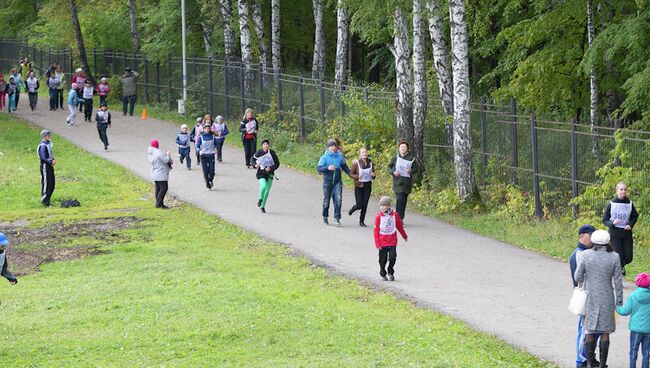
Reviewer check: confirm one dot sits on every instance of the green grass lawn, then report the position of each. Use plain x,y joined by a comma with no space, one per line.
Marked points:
184,288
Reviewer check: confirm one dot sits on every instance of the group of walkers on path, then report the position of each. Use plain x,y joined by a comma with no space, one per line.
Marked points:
598,265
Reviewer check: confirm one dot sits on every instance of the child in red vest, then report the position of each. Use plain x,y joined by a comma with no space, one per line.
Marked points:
387,224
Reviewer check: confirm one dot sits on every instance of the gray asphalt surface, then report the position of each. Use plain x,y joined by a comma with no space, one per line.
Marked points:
517,295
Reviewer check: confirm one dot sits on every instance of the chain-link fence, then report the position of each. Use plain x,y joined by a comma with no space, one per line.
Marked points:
552,161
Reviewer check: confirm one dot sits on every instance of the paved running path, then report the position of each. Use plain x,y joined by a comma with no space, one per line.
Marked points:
517,295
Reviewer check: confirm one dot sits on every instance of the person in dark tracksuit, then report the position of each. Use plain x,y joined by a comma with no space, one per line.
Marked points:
3,260
266,162
206,145
621,216
47,167
362,172
53,84
103,119
183,141
402,167
248,129
87,94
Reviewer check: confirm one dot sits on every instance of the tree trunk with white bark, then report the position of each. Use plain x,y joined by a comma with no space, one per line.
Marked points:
593,85
318,63
402,53
276,52
419,82
343,23
245,41
465,182
135,36
258,21
228,35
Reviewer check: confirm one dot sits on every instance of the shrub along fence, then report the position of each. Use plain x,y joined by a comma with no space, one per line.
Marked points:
552,162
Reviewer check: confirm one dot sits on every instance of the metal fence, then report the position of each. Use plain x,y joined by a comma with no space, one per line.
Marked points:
552,160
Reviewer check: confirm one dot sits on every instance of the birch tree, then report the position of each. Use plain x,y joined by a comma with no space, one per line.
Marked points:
318,62
419,82
441,62
135,36
83,58
258,21
343,22
228,35
276,55
402,53
593,85
245,41
465,183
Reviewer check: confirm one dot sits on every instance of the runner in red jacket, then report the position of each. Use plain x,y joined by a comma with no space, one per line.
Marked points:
387,224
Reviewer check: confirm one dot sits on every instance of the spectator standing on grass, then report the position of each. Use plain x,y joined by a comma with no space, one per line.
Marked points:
184,142
161,163
248,129
584,243
46,156
597,268
60,75
402,167
103,89
220,130
637,307
387,224
330,166
73,99
3,87
362,172
31,86
266,162
621,216
3,260
129,90
88,92
53,84
103,119
18,80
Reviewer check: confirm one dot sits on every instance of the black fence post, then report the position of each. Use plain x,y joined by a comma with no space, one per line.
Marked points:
114,62
366,95
194,70
278,89
146,79
158,82
242,75
95,63
513,139
49,56
226,80
322,101
483,115
261,93
303,133
574,167
126,61
41,63
71,66
533,134
210,86
105,64
341,105
169,82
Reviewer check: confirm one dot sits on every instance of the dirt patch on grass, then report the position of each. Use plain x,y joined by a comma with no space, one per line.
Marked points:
31,247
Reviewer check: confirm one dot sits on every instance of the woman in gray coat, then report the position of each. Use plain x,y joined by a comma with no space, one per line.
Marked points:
596,269
161,163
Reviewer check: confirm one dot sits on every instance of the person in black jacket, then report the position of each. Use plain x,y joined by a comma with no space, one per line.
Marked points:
248,129
266,162
103,119
621,216
47,167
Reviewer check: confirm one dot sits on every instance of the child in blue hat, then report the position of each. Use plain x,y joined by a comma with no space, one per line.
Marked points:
3,260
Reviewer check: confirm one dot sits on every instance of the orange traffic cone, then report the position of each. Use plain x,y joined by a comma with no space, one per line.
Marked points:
144,113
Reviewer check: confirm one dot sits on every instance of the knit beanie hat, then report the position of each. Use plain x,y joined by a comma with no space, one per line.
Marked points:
44,133
154,143
643,280
183,126
384,201
331,142
600,237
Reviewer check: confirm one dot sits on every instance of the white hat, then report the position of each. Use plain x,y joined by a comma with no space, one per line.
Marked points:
104,79
79,70
183,126
600,237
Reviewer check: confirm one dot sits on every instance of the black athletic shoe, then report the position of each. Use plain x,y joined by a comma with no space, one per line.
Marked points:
351,211
325,221
391,277
362,224
384,278
262,209
259,202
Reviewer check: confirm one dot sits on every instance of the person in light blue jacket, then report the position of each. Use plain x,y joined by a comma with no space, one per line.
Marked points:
73,100
18,79
637,306
330,166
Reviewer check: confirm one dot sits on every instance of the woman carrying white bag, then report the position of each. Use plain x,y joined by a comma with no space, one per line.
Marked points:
596,269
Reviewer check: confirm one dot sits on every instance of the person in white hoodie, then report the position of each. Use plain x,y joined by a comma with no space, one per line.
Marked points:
161,163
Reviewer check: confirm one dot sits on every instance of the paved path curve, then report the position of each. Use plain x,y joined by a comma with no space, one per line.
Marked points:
517,295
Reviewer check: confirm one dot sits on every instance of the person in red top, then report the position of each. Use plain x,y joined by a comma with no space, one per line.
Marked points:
79,78
103,89
387,224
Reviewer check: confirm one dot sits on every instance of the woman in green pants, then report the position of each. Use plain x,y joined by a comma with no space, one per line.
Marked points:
266,162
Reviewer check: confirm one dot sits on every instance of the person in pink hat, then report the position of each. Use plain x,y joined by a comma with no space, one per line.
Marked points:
637,306
161,163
